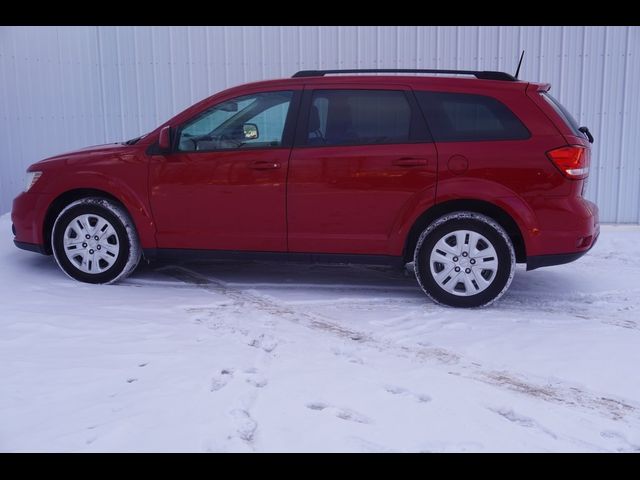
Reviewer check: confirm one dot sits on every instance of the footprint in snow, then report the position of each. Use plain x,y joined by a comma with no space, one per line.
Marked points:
419,397
522,420
257,382
369,446
254,379
515,418
341,413
265,342
220,380
245,425
351,358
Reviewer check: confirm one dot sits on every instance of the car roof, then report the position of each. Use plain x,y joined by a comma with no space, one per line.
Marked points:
457,84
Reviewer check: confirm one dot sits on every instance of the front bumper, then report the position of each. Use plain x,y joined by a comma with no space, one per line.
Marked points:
31,247
27,215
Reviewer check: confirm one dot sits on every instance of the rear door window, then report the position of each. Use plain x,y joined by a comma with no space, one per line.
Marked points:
462,117
359,117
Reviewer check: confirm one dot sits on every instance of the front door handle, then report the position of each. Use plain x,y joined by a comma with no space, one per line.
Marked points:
264,165
410,162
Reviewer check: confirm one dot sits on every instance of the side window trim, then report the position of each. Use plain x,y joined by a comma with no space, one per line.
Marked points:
419,133
287,133
303,118
290,123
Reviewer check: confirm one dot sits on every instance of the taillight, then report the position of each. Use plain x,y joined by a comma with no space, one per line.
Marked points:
572,161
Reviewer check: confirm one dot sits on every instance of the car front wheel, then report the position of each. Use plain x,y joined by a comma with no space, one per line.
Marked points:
464,259
94,240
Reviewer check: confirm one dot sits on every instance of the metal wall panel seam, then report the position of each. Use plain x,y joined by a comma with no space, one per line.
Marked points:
137,80
154,68
581,107
561,60
206,50
540,54
622,120
171,82
226,59
119,66
604,70
17,98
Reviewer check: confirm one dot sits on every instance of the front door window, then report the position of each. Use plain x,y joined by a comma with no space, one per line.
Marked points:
250,121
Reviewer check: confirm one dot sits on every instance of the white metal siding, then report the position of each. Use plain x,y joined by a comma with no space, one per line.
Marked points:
67,87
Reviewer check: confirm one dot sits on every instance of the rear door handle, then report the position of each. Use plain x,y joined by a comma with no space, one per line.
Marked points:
410,162
264,165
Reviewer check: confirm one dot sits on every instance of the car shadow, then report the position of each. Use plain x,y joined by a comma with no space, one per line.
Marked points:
528,288
285,276
334,279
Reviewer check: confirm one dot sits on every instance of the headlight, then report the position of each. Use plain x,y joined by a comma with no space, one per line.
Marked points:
32,178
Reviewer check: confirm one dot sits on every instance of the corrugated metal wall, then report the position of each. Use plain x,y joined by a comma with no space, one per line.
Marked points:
68,87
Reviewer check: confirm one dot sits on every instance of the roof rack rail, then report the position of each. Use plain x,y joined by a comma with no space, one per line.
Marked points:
484,75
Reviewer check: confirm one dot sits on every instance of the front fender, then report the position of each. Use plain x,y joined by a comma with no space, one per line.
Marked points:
131,193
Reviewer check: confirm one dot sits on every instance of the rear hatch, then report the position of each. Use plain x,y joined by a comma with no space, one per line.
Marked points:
559,115
572,159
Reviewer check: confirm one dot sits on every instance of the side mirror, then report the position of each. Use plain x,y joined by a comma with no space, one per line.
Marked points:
250,131
164,142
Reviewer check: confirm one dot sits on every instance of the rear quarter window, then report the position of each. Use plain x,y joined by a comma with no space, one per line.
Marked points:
463,117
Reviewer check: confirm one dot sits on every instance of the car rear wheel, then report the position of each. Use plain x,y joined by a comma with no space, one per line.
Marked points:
94,240
464,259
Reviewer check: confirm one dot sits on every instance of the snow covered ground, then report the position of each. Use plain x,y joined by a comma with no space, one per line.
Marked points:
256,357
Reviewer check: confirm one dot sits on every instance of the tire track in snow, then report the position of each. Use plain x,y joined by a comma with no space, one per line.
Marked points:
558,393
260,303
583,306
587,306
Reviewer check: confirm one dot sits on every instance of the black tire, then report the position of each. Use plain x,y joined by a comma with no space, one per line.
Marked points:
501,278
129,251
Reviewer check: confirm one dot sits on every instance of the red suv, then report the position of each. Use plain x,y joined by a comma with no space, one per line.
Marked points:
463,176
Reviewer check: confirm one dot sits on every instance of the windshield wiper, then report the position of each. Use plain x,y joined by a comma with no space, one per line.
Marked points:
133,141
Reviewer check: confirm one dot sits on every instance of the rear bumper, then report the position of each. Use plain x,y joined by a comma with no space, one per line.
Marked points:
538,261
564,225
566,241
